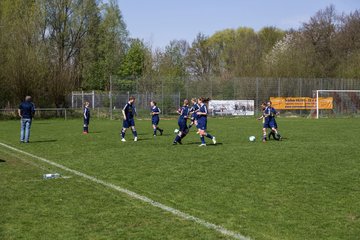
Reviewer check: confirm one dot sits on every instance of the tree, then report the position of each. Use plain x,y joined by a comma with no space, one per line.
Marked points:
171,66
201,64
319,34
113,43
133,65
22,62
348,46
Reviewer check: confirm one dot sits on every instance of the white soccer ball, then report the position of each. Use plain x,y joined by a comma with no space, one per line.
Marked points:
176,131
252,138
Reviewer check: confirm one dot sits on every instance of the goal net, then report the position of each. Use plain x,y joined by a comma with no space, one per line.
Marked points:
344,103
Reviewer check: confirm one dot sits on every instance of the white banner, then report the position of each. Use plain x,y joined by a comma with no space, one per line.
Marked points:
232,107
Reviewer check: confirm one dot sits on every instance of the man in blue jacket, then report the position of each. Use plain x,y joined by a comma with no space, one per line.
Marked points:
26,112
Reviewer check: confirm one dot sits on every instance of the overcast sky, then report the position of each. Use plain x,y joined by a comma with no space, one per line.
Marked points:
158,22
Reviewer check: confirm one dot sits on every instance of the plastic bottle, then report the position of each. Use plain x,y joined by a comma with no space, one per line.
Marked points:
51,175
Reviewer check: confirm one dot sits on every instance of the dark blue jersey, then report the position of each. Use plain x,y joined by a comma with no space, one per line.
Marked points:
27,109
86,113
155,109
202,109
193,111
130,111
184,112
270,113
194,108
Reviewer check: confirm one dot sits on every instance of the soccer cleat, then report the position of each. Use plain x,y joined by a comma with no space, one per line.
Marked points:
202,145
135,139
214,140
154,135
85,132
278,137
123,140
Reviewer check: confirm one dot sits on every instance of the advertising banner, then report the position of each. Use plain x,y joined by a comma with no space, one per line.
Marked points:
301,103
232,107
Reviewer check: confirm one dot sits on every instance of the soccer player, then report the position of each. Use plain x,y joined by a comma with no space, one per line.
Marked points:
86,118
270,122
202,121
182,122
155,111
193,110
26,112
129,111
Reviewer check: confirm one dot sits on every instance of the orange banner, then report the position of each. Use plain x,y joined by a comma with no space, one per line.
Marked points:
301,103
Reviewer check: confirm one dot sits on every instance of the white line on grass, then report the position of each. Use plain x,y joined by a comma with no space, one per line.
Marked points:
174,211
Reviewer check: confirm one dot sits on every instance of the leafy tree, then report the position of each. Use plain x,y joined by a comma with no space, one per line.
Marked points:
132,68
348,46
113,43
172,66
318,35
22,62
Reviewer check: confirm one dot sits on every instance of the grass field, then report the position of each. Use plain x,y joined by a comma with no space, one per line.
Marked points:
304,187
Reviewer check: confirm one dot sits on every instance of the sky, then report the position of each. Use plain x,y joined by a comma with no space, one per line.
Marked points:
157,22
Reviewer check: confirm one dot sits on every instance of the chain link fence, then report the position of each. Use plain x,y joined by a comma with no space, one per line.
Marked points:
110,104
169,94
257,89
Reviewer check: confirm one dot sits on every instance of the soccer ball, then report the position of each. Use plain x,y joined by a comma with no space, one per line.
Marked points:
176,131
252,138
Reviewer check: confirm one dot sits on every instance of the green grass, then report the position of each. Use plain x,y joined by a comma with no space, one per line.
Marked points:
305,187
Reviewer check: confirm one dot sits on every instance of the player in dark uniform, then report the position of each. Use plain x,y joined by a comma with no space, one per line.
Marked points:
182,122
86,118
270,122
129,111
202,122
193,110
155,118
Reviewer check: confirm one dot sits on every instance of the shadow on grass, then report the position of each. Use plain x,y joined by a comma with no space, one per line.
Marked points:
2,161
208,144
44,141
167,134
143,139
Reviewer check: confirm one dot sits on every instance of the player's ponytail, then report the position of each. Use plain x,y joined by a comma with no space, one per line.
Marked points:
204,100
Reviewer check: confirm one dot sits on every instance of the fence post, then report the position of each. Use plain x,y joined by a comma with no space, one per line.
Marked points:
257,96
234,86
72,99
162,94
279,87
93,99
65,114
82,99
110,98
317,104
